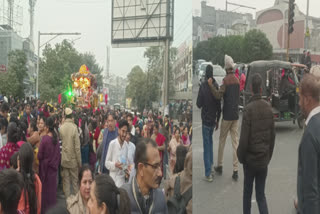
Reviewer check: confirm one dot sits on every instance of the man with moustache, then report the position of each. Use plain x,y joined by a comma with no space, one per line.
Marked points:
308,188
144,192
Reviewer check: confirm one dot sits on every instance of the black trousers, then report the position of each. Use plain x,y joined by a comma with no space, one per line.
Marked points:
259,176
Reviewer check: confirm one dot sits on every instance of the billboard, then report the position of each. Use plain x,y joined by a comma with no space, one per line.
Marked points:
140,23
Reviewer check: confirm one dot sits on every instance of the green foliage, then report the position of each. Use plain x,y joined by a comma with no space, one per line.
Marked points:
11,83
143,93
58,64
253,46
257,45
136,89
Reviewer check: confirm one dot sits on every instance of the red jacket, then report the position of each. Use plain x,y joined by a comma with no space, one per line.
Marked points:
242,81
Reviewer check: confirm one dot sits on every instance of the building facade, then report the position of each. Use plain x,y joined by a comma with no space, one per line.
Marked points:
273,22
10,41
182,68
115,87
213,22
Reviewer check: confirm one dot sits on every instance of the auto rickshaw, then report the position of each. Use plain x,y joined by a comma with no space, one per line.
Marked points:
280,87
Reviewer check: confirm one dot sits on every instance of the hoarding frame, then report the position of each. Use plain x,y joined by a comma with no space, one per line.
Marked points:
137,40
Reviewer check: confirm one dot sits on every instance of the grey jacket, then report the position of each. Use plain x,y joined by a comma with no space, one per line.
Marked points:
156,204
309,169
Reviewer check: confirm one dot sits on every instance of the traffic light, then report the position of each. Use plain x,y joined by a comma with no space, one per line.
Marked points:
70,93
291,16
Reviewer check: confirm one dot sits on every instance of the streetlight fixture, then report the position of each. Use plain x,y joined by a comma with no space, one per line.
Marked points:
39,46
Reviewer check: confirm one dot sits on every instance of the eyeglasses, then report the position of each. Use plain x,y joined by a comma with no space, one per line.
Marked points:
156,166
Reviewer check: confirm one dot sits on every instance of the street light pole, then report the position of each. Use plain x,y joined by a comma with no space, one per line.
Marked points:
38,56
39,46
225,24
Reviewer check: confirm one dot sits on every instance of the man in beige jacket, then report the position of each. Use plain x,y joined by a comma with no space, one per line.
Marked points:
70,154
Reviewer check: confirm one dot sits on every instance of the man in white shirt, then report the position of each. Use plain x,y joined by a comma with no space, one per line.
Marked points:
131,129
131,153
117,156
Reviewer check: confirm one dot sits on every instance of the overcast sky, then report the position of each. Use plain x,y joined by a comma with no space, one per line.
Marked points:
92,18
314,5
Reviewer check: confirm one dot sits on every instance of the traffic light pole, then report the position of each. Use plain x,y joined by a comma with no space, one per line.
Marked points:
290,24
288,44
288,39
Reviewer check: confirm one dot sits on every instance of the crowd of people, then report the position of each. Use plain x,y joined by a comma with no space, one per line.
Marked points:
254,147
106,161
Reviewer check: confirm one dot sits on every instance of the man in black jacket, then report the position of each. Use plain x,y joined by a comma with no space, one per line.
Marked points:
308,188
256,146
308,60
230,92
210,115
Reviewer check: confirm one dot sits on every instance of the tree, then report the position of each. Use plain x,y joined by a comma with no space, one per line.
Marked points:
58,64
257,46
137,89
145,87
253,46
203,51
11,83
155,67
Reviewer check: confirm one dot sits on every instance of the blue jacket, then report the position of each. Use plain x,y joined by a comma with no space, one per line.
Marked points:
107,138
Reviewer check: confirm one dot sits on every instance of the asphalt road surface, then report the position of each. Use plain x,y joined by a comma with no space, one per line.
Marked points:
224,195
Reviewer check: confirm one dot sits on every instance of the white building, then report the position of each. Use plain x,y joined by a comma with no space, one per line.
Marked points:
182,68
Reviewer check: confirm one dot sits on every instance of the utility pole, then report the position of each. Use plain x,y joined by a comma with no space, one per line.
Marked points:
32,4
39,46
166,62
225,24
234,4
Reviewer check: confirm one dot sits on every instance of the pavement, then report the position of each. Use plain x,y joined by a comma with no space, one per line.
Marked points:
224,195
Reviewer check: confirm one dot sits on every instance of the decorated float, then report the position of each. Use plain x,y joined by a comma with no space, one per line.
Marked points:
84,88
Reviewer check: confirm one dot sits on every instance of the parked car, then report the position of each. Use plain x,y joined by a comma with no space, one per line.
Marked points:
197,66
218,73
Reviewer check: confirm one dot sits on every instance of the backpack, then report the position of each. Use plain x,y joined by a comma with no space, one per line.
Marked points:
177,203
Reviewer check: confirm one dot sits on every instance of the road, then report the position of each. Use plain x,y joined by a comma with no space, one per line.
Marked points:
224,195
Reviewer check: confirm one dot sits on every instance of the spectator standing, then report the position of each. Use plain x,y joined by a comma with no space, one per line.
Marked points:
30,200
34,140
117,156
11,185
308,187
49,159
160,140
109,134
14,135
144,193
70,154
210,116
230,92
107,198
78,204
174,143
256,146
